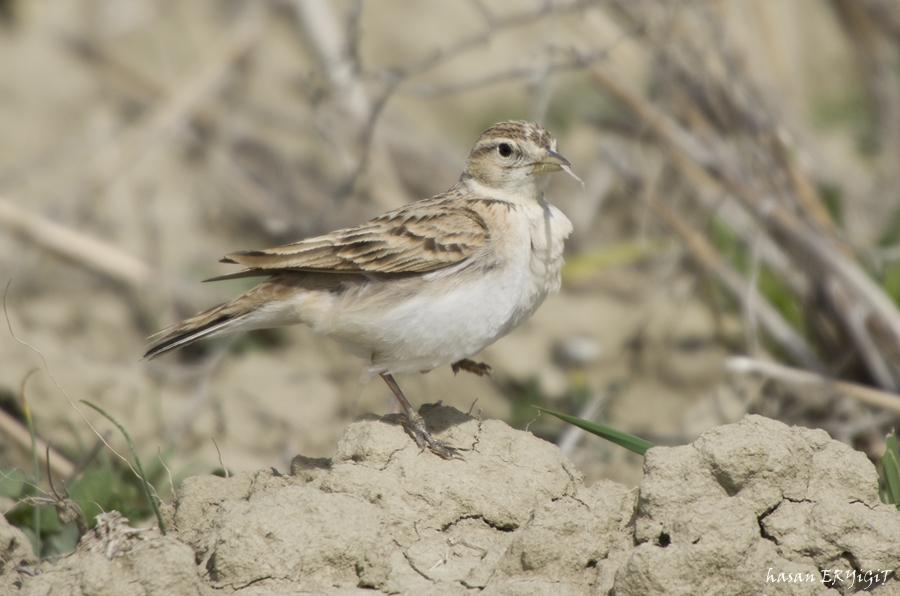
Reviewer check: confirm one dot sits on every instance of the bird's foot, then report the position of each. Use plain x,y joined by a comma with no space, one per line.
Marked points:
478,368
415,426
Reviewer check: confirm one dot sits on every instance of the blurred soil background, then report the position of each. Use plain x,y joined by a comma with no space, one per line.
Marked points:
735,246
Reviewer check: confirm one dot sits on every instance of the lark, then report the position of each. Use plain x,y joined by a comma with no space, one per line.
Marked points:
428,284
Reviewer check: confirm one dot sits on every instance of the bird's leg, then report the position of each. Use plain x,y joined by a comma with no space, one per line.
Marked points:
479,368
415,424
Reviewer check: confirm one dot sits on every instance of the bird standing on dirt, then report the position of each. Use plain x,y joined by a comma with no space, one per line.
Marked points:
428,284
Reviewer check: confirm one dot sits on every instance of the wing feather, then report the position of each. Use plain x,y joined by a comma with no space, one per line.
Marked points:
416,238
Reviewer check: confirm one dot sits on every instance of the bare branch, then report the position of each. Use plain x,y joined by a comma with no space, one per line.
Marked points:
90,252
786,374
530,73
58,386
493,26
116,157
13,431
815,247
316,17
770,319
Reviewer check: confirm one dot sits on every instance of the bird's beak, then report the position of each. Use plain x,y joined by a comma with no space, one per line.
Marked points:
552,162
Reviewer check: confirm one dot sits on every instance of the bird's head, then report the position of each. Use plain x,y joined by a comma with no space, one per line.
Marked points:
513,157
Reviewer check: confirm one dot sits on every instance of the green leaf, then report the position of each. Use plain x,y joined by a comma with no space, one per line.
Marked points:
890,281
61,542
104,489
890,464
630,442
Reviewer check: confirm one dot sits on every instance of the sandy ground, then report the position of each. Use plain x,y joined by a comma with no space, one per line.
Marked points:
755,507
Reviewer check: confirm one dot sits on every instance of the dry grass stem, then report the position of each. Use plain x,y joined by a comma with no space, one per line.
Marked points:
807,243
182,100
770,319
14,432
83,249
795,376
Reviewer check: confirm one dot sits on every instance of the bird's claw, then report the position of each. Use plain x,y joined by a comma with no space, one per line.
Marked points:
417,429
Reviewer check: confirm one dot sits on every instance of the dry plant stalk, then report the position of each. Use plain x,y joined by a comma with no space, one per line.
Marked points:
794,376
117,156
85,250
737,286
800,228
13,431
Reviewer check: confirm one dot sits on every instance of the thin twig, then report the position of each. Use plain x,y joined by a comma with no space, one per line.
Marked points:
691,156
324,33
219,452
36,478
861,393
338,60
90,252
493,26
749,301
368,144
116,157
803,187
55,382
770,319
853,321
527,73
94,53
878,64
66,509
12,431
97,255
166,468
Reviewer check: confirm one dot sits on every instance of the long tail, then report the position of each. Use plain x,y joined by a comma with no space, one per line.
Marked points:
220,320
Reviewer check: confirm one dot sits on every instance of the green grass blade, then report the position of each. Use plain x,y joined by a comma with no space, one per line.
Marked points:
36,479
630,442
151,497
890,466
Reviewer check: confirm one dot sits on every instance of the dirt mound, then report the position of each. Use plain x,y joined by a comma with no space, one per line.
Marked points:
748,508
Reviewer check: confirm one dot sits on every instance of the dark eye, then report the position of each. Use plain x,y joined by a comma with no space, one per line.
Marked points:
504,149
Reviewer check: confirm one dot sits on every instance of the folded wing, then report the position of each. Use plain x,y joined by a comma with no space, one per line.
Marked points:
416,238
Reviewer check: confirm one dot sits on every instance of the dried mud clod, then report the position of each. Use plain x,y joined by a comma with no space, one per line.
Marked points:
515,517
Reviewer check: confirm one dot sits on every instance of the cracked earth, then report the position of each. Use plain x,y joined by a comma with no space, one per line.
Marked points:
514,517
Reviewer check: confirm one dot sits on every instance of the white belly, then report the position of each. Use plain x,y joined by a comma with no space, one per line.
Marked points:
457,312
